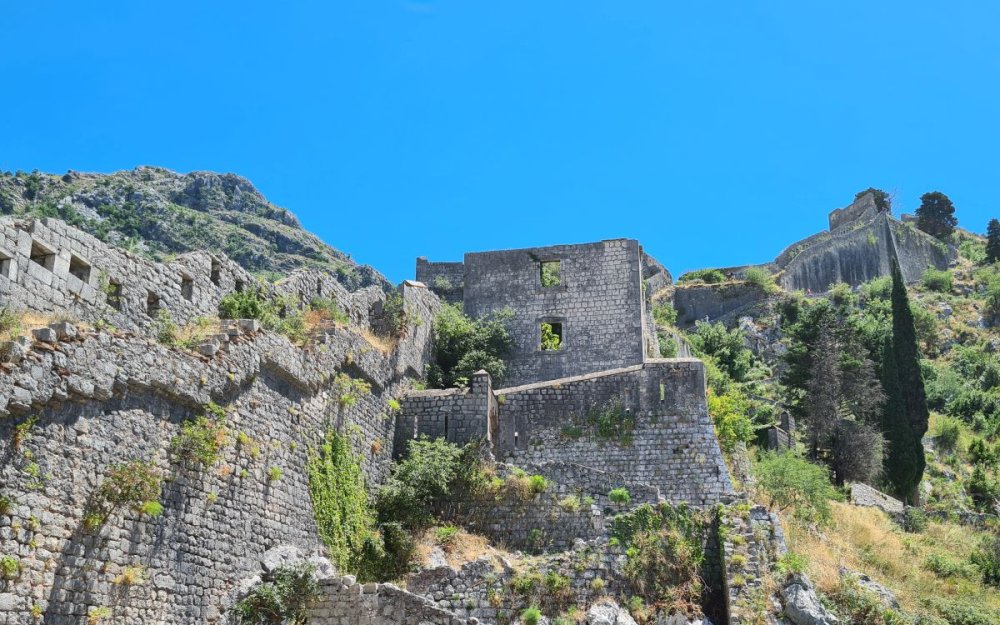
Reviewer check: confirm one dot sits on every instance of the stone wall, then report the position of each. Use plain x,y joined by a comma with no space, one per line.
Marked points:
673,446
862,251
698,302
459,415
106,398
343,601
748,562
599,302
862,208
447,280
47,266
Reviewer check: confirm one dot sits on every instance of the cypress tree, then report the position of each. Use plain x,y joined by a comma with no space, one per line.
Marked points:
993,241
906,409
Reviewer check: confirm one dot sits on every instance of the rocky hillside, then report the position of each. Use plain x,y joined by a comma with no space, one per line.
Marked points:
160,213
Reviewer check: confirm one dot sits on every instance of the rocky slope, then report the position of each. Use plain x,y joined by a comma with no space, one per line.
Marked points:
161,213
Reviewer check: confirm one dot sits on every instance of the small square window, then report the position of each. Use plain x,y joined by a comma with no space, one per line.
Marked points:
42,255
187,287
152,303
550,273
5,266
216,271
79,268
552,336
114,294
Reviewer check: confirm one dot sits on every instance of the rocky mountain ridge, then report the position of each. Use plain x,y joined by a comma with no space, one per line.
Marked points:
161,213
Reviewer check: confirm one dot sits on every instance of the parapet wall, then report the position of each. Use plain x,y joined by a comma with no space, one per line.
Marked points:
50,267
447,280
863,208
101,399
673,445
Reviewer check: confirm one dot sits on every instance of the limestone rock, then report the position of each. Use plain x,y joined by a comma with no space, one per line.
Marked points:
802,605
607,612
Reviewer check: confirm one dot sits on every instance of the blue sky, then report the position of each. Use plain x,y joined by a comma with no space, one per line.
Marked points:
716,133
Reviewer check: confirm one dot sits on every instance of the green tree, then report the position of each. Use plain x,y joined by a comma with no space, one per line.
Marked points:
882,200
993,241
936,214
463,346
905,415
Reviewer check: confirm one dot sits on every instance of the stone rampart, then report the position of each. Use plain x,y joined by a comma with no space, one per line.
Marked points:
863,208
447,280
698,302
84,401
672,445
343,601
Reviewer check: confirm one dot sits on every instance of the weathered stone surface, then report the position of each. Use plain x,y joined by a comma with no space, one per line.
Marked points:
802,605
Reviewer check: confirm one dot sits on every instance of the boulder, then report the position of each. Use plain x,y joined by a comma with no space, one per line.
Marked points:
802,606
607,612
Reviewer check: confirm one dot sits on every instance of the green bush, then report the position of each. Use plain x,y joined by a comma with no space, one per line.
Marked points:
531,616
202,439
550,340
987,560
876,289
283,601
664,313
729,413
611,420
791,564
134,484
426,475
463,346
914,520
947,433
278,314
725,346
10,567
935,280
708,276
620,496
790,481
760,278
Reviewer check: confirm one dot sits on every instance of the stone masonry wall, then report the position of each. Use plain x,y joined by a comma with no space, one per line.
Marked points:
715,301
459,415
861,208
343,601
599,303
673,446
447,280
102,399
75,274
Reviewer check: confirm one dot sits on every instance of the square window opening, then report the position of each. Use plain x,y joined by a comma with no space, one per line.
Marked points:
5,266
43,256
215,276
152,304
187,287
552,336
550,273
79,268
114,294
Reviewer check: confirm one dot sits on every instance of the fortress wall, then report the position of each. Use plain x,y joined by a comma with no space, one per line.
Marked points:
102,399
447,280
713,301
599,303
862,208
673,446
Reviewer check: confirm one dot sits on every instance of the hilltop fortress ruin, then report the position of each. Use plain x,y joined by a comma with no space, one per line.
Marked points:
88,386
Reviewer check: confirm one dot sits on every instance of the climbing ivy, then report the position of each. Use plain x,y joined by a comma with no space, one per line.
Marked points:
344,515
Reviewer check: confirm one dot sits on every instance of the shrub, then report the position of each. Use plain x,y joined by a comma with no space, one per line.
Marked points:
947,433
10,324
790,481
664,313
283,600
538,484
274,474
725,346
10,567
570,503
877,289
330,310
914,520
463,346
612,420
445,536
935,280
531,616
761,278
597,585
134,484
708,276
791,564
729,414
426,475
202,439
987,560
620,496
349,390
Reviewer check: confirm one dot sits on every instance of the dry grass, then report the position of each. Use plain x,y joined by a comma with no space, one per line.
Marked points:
865,540
463,548
20,323
384,344
198,329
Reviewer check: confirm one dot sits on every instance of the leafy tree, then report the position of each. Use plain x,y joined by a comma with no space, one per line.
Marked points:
463,346
882,200
726,346
790,481
993,241
936,214
857,452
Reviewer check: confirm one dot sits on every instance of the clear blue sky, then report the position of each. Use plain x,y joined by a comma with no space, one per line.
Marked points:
716,133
